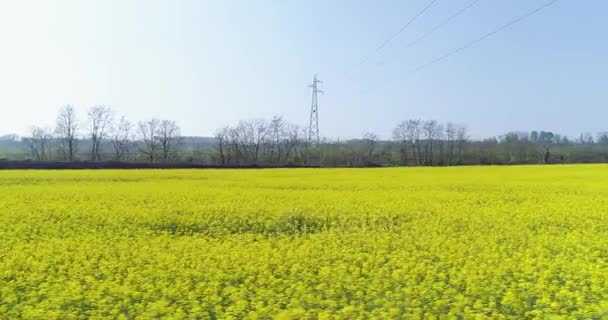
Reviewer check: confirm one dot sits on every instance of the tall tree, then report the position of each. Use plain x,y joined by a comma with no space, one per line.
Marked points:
38,143
276,129
100,118
602,138
450,134
430,129
260,137
440,141
400,134
251,136
461,137
147,142
295,139
169,138
413,133
66,131
371,140
547,139
120,137
222,144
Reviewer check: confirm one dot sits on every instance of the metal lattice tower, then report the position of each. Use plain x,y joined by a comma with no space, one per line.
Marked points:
313,128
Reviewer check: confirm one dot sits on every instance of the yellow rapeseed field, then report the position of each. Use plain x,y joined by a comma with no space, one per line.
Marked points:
527,242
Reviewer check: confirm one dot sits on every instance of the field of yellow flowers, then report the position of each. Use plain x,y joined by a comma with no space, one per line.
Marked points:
519,242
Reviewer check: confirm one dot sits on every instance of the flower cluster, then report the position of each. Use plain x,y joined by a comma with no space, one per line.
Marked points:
417,243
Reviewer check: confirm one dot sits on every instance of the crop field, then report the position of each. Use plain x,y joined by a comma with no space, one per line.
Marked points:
396,243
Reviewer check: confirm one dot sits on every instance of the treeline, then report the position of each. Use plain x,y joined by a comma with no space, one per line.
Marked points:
274,142
99,135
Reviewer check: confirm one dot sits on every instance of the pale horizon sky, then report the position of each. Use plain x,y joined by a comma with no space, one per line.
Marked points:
207,64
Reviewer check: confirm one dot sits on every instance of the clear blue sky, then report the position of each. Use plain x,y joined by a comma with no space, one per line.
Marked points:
210,63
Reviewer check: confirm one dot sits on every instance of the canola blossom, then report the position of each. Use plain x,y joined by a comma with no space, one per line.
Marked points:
526,242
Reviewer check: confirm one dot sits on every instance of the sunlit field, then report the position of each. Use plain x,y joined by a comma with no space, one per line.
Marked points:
467,242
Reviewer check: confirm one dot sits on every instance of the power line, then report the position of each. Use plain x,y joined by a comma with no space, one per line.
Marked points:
396,34
487,35
440,25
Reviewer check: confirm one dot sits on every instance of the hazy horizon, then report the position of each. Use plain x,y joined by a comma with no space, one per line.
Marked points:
208,64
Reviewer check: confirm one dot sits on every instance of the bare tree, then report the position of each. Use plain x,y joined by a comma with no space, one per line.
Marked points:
586,138
294,142
461,136
100,118
66,130
169,138
257,141
547,139
251,136
222,137
450,134
234,145
120,138
400,134
276,129
439,140
370,139
148,143
429,127
38,143
413,133
602,137
259,138
283,138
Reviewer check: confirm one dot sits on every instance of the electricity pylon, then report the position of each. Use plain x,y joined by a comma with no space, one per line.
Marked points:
313,128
